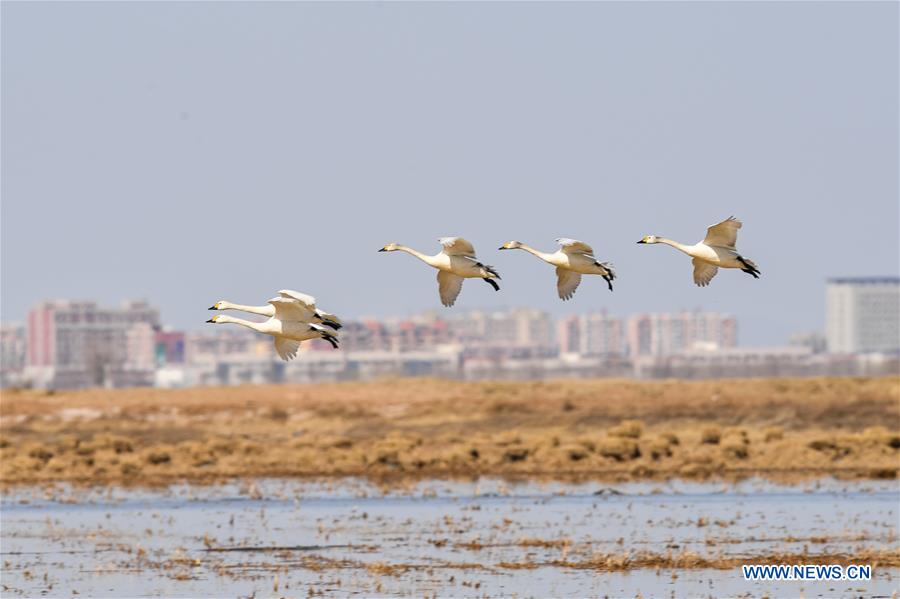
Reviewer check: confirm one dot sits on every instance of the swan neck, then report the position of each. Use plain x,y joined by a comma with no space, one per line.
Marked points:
261,310
674,244
423,257
240,321
534,252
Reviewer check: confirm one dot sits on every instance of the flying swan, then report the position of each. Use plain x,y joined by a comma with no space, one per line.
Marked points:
454,263
304,309
287,331
573,259
715,251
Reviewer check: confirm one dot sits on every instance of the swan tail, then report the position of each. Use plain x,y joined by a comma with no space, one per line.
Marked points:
329,320
490,270
609,268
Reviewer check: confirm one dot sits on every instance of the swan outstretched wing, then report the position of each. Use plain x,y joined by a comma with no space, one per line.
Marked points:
723,234
449,286
457,246
567,282
573,246
308,300
291,310
704,272
286,348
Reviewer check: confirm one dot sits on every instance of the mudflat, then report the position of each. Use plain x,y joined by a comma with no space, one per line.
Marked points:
602,429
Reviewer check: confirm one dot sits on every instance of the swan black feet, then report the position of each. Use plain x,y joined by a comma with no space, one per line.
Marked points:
492,283
749,267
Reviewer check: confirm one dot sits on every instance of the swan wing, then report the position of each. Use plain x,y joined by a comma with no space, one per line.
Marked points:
308,300
567,282
449,286
723,234
291,310
457,246
704,272
573,246
286,348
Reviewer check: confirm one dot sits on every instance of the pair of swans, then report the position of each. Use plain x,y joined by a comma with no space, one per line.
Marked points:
293,318
457,260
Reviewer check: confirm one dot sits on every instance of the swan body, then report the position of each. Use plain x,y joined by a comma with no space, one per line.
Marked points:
288,334
303,309
573,259
717,250
454,263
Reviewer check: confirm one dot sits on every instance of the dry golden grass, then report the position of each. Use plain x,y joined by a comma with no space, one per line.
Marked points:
602,429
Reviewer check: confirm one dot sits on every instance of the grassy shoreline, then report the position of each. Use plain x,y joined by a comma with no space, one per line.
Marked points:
784,429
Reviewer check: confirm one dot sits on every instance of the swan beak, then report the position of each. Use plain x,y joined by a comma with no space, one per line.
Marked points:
213,319
642,241
382,250
212,308
502,247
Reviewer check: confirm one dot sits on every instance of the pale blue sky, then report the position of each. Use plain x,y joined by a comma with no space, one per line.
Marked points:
186,153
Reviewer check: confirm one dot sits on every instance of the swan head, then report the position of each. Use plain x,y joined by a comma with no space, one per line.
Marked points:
510,245
220,305
391,247
649,239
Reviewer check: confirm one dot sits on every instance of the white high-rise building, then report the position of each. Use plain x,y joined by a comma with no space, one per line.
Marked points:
863,315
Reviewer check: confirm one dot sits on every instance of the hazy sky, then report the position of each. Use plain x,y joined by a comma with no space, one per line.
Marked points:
185,153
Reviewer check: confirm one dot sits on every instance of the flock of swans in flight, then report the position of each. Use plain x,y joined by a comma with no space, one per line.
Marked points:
294,317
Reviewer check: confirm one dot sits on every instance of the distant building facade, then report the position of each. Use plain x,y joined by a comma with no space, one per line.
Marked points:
667,334
169,347
12,353
594,334
518,328
862,315
73,344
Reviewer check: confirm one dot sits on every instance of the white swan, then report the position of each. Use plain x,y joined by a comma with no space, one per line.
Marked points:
304,309
288,333
573,259
715,251
456,262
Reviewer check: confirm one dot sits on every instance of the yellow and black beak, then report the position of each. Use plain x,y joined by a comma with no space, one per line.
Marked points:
384,249
642,241
213,307
502,247
213,319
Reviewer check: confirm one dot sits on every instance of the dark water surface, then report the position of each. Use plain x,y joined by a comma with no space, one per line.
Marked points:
297,538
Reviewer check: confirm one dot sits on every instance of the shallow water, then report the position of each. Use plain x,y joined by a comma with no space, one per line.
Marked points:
293,538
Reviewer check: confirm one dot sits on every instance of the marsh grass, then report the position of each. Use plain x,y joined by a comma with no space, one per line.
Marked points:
605,429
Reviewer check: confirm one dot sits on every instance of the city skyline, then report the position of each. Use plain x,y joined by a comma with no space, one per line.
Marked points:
79,344
136,165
